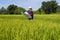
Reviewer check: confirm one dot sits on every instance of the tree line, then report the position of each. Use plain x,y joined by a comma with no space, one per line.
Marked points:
47,7
12,9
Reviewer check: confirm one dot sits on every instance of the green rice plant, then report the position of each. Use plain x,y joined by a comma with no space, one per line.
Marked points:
42,27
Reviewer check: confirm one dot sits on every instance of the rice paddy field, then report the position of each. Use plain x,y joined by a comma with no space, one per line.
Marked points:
18,27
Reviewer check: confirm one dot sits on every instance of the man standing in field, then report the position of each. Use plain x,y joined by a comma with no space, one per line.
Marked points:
30,12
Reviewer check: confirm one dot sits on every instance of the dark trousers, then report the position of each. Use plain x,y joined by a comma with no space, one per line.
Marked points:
31,17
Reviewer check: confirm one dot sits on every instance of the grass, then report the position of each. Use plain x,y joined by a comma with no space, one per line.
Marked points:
42,27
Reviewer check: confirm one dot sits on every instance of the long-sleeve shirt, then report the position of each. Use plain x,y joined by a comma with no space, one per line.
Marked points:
30,12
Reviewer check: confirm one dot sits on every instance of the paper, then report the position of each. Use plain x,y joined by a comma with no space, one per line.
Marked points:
27,15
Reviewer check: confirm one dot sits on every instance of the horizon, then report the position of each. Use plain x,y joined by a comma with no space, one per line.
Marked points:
35,4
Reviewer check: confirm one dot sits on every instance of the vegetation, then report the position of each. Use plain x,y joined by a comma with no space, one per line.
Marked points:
49,7
3,10
19,10
42,27
12,9
17,27
58,9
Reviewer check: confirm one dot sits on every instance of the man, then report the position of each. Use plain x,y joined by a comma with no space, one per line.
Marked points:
30,12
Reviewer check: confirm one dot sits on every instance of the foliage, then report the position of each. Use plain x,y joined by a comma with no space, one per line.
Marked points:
58,9
38,11
3,10
49,7
17,27
53,6
11,8
19,10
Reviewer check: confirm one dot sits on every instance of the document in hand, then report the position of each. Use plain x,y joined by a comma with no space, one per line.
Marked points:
27,15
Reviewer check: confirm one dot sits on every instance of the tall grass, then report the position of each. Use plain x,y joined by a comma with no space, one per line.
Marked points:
17,27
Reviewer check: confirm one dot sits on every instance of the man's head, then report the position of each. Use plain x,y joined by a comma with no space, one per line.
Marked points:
30,8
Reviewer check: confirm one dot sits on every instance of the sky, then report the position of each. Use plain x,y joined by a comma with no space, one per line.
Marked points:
35,4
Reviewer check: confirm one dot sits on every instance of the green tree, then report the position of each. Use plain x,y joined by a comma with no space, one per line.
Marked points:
53,6
49,7
11,8
19,10
3,10
38,11
58,9
46,7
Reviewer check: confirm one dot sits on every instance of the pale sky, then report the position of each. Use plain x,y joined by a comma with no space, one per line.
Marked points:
35,4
